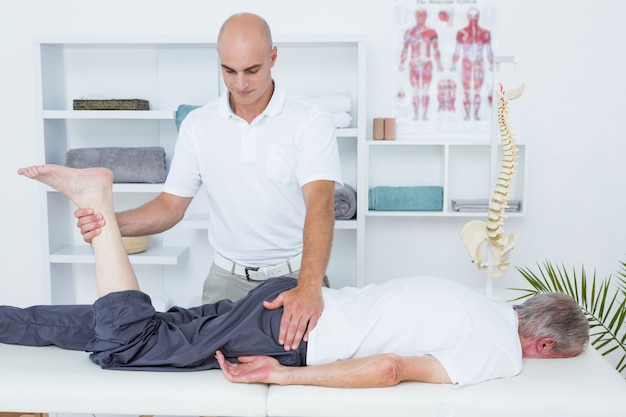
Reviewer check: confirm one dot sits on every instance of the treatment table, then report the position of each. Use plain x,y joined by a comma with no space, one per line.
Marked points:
52,380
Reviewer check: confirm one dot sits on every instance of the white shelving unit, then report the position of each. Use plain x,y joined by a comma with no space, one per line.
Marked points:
169,71
462,167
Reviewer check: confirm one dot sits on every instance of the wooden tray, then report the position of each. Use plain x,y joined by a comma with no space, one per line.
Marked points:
112,104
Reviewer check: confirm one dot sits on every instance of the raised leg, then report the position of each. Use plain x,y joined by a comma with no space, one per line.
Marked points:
92,187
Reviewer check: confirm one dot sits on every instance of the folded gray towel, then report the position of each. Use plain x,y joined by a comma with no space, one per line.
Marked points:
345,202
418,198
144,164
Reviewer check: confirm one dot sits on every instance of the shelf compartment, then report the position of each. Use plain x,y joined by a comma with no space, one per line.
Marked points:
375,213
110,114
412,165
469,175
200,221
157,255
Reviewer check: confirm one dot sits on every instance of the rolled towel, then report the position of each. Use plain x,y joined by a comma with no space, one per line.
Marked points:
417,198
144,164
334,103
345,202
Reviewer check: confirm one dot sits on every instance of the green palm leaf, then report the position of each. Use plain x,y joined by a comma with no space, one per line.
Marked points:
603,303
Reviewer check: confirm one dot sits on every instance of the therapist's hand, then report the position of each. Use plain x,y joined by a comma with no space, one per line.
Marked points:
89,223
302,307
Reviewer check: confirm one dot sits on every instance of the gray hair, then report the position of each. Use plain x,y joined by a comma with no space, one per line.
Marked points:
554,315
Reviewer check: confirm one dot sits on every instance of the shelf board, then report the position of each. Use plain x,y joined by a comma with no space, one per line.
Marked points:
181,41
157,255
346,132
444,140
143,115
381,213
137,188
345,224
129,188
110,114
200,221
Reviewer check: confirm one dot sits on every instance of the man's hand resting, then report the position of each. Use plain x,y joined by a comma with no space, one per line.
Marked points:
251,369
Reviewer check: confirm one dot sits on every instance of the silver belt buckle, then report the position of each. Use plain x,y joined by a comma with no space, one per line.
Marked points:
247,270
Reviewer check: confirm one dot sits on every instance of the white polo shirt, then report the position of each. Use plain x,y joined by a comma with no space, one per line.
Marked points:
474,338
253,173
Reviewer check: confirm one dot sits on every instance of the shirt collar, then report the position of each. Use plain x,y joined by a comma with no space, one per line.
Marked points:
274,107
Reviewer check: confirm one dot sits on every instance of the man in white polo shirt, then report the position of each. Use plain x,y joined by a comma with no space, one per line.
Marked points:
269,163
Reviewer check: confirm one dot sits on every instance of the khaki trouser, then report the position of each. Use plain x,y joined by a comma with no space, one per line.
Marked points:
221,284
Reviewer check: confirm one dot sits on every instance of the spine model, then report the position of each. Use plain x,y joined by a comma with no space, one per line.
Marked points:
476,234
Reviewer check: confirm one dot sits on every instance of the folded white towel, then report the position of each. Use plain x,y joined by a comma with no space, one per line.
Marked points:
341,120
334,103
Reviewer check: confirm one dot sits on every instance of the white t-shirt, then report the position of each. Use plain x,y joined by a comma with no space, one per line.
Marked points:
473,337
253,173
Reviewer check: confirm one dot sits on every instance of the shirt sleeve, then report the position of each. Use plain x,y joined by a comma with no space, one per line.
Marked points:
184,178
476,359
318,154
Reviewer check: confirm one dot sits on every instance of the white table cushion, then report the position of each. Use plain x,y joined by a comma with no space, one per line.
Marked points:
586,386
52,380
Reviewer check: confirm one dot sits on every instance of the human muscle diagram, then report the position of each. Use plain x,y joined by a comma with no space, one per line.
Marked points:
445,63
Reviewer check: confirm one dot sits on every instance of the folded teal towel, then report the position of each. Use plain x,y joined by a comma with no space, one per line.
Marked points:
181,112
419,198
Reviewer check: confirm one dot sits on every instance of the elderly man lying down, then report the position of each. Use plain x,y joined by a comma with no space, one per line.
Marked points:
412,329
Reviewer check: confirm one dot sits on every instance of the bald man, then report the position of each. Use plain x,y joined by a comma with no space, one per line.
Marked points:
269,162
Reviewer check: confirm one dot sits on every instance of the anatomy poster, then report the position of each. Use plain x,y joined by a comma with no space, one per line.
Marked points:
445,63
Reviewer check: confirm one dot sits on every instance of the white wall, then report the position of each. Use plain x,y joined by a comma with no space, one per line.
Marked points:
571,116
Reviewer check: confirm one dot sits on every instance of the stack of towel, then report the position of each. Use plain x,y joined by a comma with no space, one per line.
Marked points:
338,105
129,165
481,205
345,202
417,198
181,112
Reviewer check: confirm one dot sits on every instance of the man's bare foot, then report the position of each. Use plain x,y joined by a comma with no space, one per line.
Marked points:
79,185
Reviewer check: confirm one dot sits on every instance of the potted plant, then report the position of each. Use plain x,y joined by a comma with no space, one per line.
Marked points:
603,303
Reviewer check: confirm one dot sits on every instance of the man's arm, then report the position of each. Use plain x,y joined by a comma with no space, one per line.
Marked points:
382,370
155,216
303,305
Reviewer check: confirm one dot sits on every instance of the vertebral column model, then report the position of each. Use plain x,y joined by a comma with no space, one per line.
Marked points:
477,233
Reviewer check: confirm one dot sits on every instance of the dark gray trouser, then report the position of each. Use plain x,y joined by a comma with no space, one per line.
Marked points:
123,331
